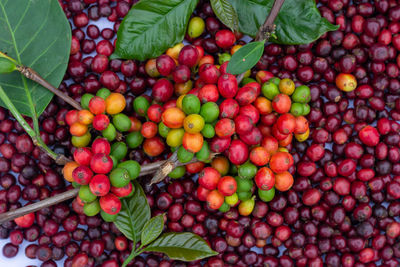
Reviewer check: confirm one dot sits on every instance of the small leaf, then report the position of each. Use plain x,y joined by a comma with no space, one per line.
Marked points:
182,246
151,27
134,214
298,21
245,58
37,35
152,229
226,13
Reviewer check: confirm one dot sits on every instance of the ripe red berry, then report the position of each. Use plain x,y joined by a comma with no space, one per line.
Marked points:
123,191
209,178
101,145
100,122
83,155
100,185
101,163
71,117
265,178
26,220
82,175
225,38
369,136
97,105
110,204
227,185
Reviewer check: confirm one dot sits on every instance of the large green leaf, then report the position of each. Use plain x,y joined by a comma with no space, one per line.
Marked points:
36,34
226,13
151,27
298,22
134,214
245,58
182,246
152,229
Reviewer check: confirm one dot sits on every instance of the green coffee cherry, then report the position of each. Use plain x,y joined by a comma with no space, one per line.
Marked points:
209,111
110,133
103,93
122,122
92,208
141,105
133,168
224,207
85,100
208,131
108,217
85,194
184,156
270,90
119,150
204,153
134,139
232,200
119,177
224,57
266,195
191,104
244,185
81,141
196,27
178,172
247,170
163,130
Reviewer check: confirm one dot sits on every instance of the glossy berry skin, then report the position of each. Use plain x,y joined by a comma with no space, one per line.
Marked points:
83,156
227,85
369,136
26,220
225,38
265,178
165,65
209,178
238,152
110,204
188,56
100,122
101,163
100,185
82,175
162,90
227,185
101,145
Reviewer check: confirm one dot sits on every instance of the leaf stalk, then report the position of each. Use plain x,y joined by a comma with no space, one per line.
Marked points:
37,141
267,29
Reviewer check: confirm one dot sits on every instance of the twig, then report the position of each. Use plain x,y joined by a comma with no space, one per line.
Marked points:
11,215
265,31
171,164
145,170
166,168
34,76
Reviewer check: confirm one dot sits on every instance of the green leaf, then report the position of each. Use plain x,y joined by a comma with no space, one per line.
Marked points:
134,214
298,22
36,34
182,246
245,58
226,13
152,229
153,26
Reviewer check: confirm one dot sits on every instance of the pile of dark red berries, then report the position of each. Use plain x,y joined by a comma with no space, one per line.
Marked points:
344,205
